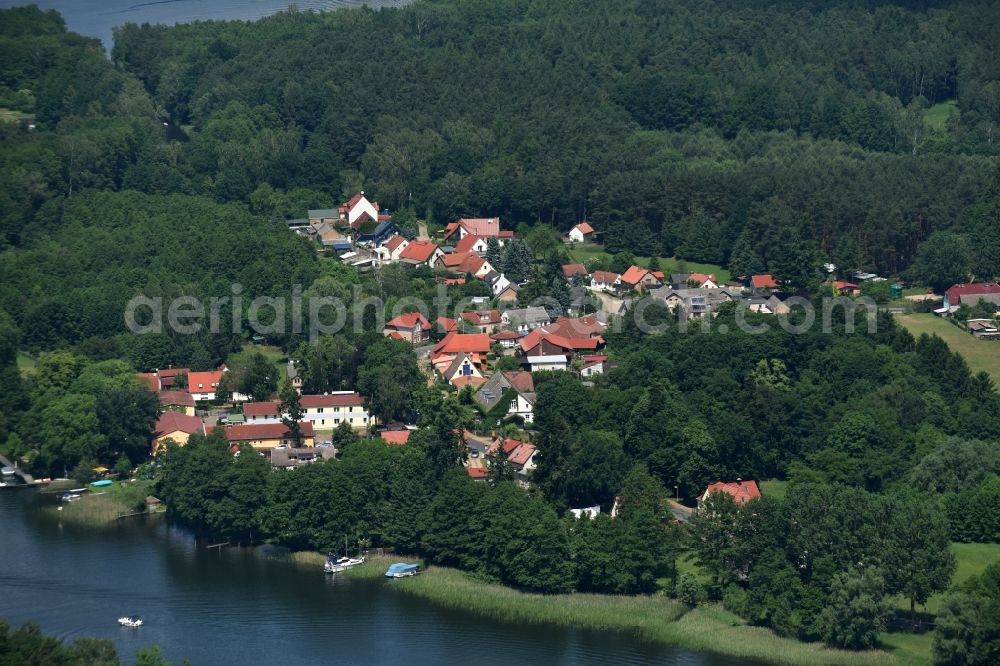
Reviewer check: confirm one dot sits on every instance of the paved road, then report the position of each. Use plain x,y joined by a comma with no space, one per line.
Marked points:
680,512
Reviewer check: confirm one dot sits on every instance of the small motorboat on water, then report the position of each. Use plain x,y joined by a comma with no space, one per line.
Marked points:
336,564
130,621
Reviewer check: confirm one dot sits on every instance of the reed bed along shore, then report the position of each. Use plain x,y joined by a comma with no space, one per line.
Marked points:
651,618
99,508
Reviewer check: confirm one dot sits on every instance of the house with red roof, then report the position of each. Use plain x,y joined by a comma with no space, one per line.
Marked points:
150,380
266,436
636,278
395,437
845,288
462,263
471,243
587,326
572,270
593,365
474,345
463,370
740,490
540,342
177,401
506,339
172,378
581,232
390,250
419,253
411,326
478,472
484,227
447,324
764,282
203,385
970,294
520,455
604,280
484,321
262,412
357,210
177,427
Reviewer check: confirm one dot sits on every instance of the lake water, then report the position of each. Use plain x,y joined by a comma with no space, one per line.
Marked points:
233,606
96,18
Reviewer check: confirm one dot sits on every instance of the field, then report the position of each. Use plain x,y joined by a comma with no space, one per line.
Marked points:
936,116
271,353
26,364
584,252
981,355
775,489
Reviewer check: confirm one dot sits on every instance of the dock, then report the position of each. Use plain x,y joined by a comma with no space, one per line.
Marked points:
26,478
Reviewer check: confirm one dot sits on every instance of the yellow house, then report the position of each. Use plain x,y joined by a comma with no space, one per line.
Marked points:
176,426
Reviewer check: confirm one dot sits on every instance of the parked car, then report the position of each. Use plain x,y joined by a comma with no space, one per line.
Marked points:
474,454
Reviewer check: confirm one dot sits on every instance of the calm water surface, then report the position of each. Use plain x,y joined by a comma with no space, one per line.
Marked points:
96,18
237,607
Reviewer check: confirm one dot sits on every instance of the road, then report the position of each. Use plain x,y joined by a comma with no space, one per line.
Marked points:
422,231
680,512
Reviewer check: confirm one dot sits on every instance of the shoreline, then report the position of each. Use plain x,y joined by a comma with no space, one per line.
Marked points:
653,619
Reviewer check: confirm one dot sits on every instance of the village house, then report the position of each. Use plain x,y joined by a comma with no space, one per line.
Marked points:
602,280
177,427
420,253
587,326
265,437
383,232
593,365
172,379
508,293
741,491
516,389
636,278
844,288
581,232
525,320
463,263
984,329
320,216
695,302
463,370
762,285
390,250
506,339
294,378
475,345
176,401
261,412
326,412
572,270
471,243
693,281
484,321
970,294
770,305
291,458
447,324
357,210
203,385
484,227
411,326
520,455
499,284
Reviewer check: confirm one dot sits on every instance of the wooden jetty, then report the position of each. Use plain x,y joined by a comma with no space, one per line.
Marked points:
26,478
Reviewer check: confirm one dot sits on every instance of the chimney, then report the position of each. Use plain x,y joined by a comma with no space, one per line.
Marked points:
739,481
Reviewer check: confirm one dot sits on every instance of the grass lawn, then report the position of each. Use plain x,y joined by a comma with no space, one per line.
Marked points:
26,364
979,354
584,252
100,506
972,559
936,116
270,352
774,488
12,116
909,648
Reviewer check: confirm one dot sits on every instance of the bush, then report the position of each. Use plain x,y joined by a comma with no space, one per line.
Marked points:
688,590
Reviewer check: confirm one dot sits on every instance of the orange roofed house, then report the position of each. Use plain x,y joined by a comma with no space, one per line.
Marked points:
411,326
636,278
475,345
741,491
203,385
177,427
420,253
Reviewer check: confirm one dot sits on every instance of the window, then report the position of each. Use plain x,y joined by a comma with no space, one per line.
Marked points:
320,410
513,405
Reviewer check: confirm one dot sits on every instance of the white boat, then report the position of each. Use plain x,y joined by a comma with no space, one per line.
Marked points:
336,564
130,621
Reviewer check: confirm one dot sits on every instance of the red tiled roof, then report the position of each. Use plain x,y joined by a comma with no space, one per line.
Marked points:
176,398
420,251
843,284
606,277
447,323
569,270
957,293
466,244
585,227
763,282
481,226
533,338
505,234
353,201
454,343
395,437
463,262
478,472
204,382
149,379
482,317
451,281
175,421
171,372
587,326
334,400
700,278
260,408
409,320
395,335
522,380
394,242
634,274
461,381
248,431
521,454
595,359
505,335
657,274
742,491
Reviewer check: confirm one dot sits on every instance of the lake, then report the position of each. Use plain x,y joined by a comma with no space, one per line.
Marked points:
234,606
96,18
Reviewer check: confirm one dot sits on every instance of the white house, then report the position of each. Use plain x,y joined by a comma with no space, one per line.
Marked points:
581,232
356,207
390,250
499,283
548,362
